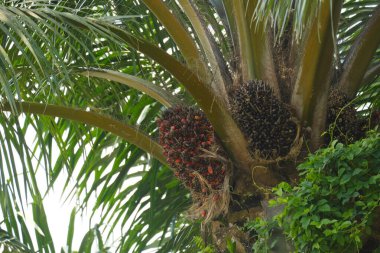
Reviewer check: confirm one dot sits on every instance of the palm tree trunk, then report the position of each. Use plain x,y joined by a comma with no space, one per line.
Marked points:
282,245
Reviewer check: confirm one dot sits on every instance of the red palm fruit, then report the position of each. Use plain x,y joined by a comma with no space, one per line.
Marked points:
184,133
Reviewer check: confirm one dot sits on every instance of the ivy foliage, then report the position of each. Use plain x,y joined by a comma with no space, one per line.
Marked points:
203,248
263,234
332,208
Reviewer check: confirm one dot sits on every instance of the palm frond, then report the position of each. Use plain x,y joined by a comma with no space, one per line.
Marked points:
221,79
182,239
104,122
10,244
279,13
157,93
360,55
181,36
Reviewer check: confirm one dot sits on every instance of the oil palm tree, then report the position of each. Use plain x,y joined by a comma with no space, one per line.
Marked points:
90,78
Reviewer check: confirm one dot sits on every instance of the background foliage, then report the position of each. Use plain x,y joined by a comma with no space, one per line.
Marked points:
333,207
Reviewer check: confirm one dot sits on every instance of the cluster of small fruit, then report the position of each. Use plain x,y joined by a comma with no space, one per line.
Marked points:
265,120
187,138
342,117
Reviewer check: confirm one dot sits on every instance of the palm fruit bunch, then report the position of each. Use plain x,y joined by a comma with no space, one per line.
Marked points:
342,119
188,139
266,121
375,119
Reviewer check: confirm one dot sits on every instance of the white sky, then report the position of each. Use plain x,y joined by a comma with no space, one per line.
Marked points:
57,209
